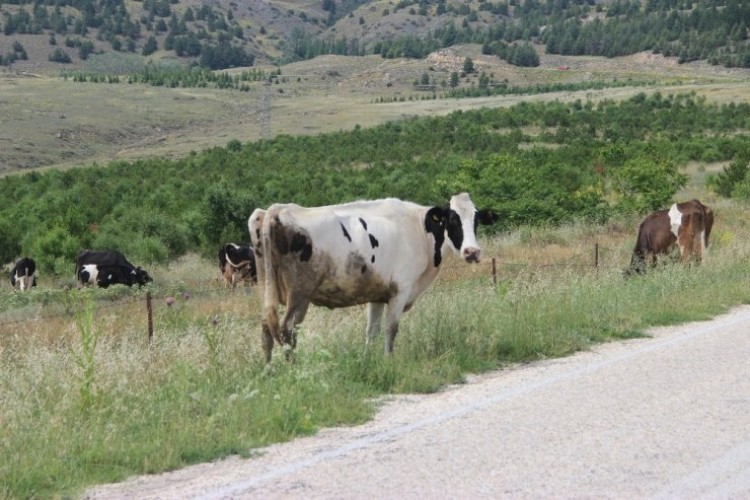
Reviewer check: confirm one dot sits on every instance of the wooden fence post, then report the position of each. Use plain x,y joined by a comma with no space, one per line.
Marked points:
150,311
596,256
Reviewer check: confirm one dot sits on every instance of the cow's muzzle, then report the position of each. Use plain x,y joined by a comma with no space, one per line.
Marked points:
471,254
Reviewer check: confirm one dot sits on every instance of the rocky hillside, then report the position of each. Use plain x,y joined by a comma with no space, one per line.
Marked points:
47,35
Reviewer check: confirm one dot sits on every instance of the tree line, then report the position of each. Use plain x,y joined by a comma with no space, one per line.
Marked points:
689,30
211,41
585,160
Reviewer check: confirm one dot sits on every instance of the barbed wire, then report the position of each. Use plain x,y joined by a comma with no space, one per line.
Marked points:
493,268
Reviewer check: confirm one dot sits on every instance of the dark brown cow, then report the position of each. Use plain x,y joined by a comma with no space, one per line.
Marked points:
685,226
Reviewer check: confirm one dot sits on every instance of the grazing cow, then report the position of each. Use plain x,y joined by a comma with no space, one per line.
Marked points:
23,274
382,252
685,226
104,268
237,263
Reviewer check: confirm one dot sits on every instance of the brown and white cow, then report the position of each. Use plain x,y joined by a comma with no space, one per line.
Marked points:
237,263
381,252
23,274
685,226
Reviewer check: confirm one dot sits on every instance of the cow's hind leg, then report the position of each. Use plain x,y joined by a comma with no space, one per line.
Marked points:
267,339
270,328
296,310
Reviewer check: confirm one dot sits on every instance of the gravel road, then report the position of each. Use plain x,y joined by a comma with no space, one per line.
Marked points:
662,417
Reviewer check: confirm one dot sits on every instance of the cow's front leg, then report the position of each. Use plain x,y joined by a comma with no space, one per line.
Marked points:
374,317
395,309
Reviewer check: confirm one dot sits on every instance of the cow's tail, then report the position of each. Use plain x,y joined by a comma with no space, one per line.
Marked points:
708,224
692,242
271,292
638,259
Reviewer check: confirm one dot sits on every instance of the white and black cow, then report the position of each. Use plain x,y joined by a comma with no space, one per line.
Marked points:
382,252
23,274
110,267
237,263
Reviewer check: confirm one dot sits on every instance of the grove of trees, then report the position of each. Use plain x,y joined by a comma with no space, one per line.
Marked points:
714,31
588,160
123,29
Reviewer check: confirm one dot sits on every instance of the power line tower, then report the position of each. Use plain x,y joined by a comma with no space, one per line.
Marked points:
265,110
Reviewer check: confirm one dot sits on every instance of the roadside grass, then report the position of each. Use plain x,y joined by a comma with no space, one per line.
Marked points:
77,413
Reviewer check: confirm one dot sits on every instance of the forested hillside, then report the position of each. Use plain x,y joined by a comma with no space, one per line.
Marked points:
582,160
222,34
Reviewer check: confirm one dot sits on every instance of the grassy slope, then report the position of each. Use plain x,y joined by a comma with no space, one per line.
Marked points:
48,122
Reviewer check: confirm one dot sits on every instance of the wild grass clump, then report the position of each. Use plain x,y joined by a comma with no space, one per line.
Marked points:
93,401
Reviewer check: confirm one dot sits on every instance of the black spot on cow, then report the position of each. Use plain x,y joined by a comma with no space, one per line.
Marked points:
299,241
373,241
281,241
306,253
373,259
454,229
434,223
301,244
364,269
364,224
346,233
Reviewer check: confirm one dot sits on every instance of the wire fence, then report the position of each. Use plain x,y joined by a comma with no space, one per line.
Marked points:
63,303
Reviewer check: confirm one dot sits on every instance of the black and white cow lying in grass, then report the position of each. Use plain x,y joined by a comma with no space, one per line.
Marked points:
110,267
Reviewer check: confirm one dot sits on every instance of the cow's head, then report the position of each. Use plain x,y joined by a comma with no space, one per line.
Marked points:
21,281
458,221
141,276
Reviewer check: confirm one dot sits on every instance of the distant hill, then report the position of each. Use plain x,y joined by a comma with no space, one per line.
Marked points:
49,35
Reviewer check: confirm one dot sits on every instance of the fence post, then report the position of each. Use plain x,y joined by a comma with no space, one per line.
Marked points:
596,255
494,271
150,311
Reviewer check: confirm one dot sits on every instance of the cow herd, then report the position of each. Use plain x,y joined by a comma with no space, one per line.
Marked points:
98,268
382,253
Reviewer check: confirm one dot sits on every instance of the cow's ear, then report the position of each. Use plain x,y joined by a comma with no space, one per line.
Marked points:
487,216
435,220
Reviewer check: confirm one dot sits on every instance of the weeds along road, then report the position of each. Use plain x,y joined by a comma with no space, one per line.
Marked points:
660,417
